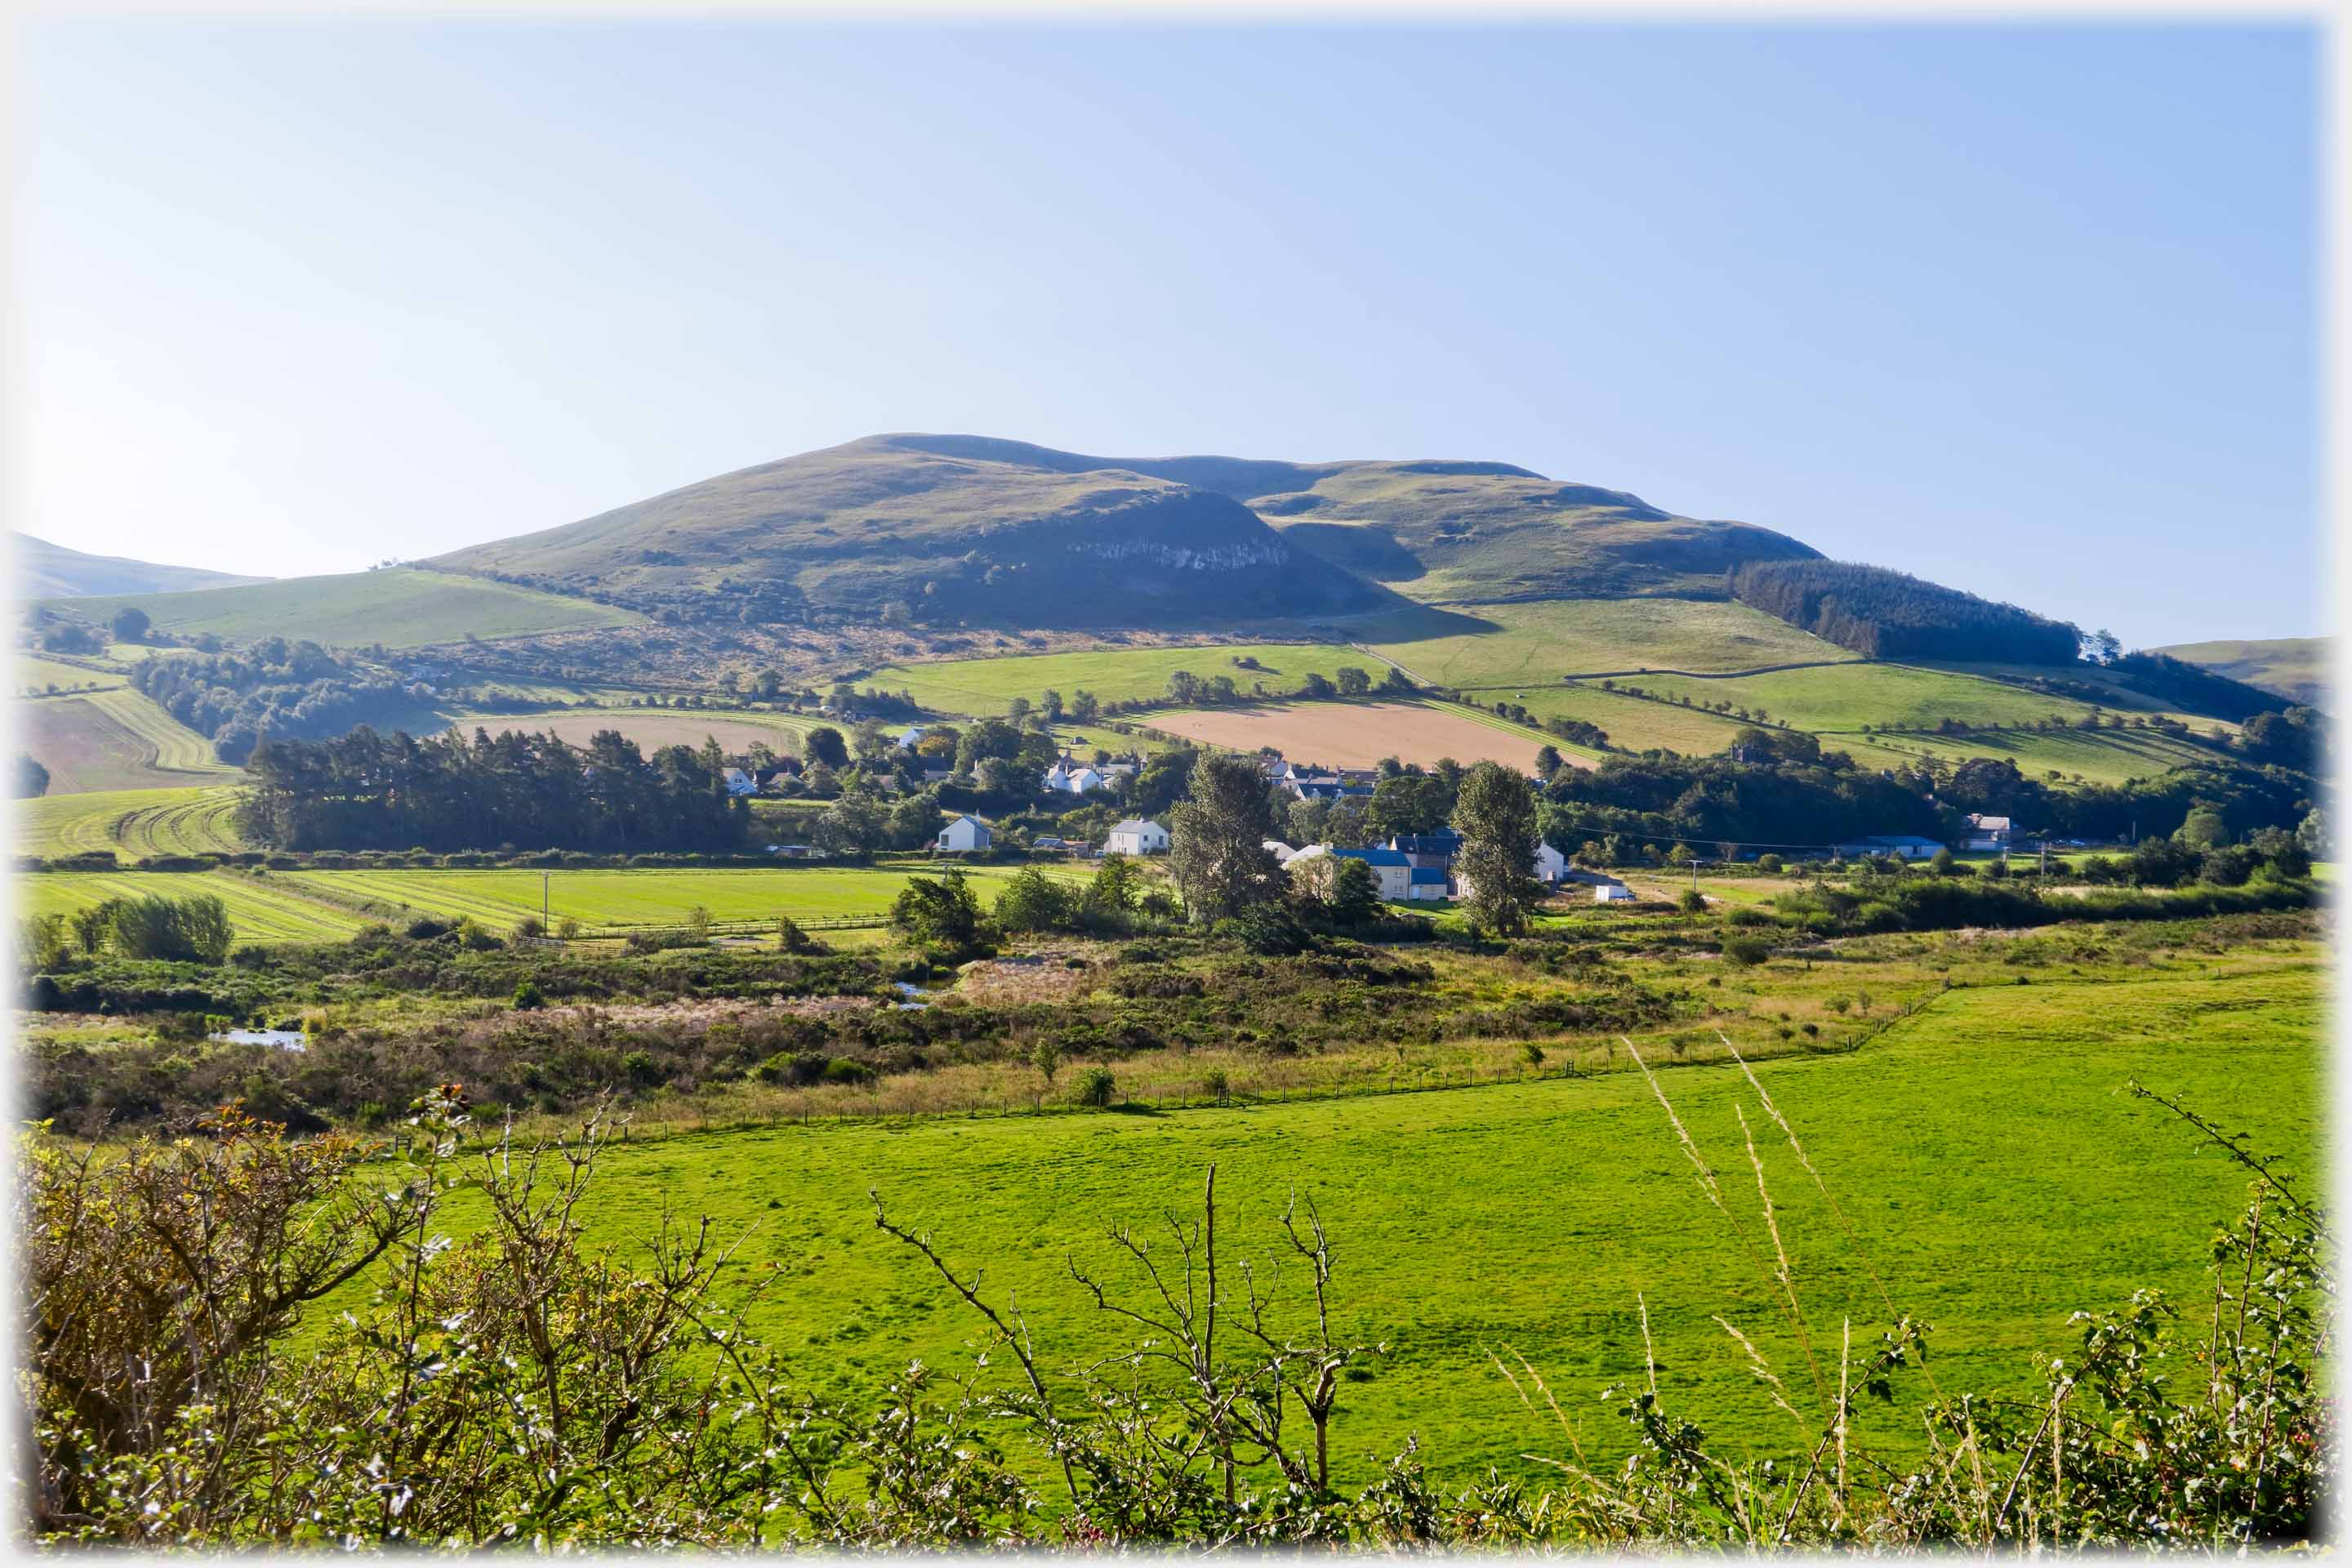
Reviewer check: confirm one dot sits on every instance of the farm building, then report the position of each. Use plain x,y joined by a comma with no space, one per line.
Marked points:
1613,893
1136,836
741,782
965,835
1902,846
912,736
1986,832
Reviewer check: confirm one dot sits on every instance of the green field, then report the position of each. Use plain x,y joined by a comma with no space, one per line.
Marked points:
2099,756
259,911
619,900
40,674
1983,1150
132,822
983,686
1846,697
115,739
1631,723
2303,668
399,607
1542,642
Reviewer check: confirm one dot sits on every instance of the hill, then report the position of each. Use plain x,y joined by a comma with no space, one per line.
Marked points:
399,607
996,537
972,528
47,571
2293,667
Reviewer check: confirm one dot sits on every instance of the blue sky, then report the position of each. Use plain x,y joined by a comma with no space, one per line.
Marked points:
2028,309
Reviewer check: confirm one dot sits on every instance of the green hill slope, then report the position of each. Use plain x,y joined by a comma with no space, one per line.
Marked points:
2296,668
968,527
996,537
399,607
48,571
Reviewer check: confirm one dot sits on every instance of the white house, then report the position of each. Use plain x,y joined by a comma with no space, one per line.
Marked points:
1136,836
1900,846
912,736
1611,893
1393,871
965,835
1986,832
741,782
1074,778
1550,864
1283,853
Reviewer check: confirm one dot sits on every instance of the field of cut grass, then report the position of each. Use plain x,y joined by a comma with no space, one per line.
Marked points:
2098,756
42,674
1845,697
1358,735
984,686
1982,1151
259,911
115,739
735,730
1541,641
621,900
133,822
399,607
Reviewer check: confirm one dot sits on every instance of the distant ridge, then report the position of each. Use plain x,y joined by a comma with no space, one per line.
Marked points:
47,571
2298,669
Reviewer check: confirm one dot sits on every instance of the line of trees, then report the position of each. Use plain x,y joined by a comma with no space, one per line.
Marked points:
367,791
1884,614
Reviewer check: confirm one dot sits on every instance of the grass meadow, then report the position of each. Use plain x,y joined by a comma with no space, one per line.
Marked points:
2096,756
1982,1151
399,607
1358,735
32,674
608,901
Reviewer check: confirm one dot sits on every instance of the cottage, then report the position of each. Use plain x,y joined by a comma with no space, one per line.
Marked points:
912,736
1283,853
1136,836
1986,832
740,782
1551,865
965,835
1426,882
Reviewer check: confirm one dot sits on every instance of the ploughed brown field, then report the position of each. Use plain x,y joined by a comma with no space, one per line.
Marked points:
1352,734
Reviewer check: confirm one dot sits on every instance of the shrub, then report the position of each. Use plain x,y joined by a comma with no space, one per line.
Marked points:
1216,1085
1693,901
528,996
1746,951
1096,1087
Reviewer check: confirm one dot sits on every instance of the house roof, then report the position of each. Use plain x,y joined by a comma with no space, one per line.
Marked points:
1429,874
1137,825
1990,823
1375,857
1444,841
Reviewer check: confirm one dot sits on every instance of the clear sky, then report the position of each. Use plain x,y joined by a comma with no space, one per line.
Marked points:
2032,311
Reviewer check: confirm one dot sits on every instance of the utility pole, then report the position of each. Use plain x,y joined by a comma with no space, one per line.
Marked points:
543,929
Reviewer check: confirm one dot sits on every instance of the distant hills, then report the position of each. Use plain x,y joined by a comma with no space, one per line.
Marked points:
994,531
2296,668
47,571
